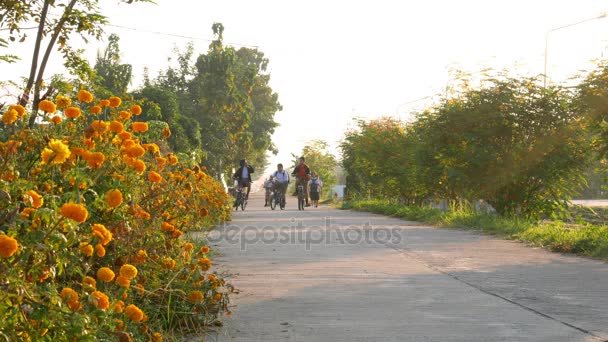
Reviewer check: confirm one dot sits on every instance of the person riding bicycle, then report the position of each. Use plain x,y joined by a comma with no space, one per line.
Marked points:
268,185
302,174
281,179
243,176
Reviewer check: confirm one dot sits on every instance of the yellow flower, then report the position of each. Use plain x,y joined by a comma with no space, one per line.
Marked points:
56,154
56,119
10,116
166,132
188,247
95,110
123,282
100,251
76,212
114,198
134,313
63,101
86,249
196,296
19,108
104,103
155,177
105,274
101,232
115,101
152,147
85,96
100,300
138,126
116,127
47,106
89,281
135,109
35,199
128,271
168,263
8,246
72,112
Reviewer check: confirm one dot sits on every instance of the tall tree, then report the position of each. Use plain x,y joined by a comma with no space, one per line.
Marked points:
112,77
80,17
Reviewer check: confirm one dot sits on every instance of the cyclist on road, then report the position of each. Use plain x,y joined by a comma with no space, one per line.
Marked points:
281,181
243,176
268,185
302,174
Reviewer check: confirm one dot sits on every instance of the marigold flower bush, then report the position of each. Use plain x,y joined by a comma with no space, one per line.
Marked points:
91,223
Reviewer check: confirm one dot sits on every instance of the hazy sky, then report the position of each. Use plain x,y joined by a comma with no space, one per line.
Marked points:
331,61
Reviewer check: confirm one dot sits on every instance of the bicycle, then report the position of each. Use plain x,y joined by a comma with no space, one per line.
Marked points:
241,200
301,197
277,198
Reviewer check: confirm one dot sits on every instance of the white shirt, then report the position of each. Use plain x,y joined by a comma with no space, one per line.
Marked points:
281,177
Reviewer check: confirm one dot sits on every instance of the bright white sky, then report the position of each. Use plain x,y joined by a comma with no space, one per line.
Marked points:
331,61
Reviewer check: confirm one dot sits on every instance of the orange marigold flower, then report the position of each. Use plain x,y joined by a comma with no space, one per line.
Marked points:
205,249
157,337
105,274
86,249
73,211
167,227
56,119
119,306
100,251
139,126
71,297
135,109
168,263
19,108
166,132
124,135
135,151
134,313
99,126
100,300
118,177
89,281
63,101
123,281
104,103
188,247
25,214
124,115
115,101
72,112
217,297
139,166
8,246
85,96
95,159
204,263
95,110
152,147
128,271
172,159
101,232
34,198
196,296
155,177
10,116
176,233
116,127
114,198
47,106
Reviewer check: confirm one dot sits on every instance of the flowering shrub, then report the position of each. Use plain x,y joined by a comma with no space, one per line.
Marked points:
90,225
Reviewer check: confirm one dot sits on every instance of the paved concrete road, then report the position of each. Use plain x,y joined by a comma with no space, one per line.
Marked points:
334,275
